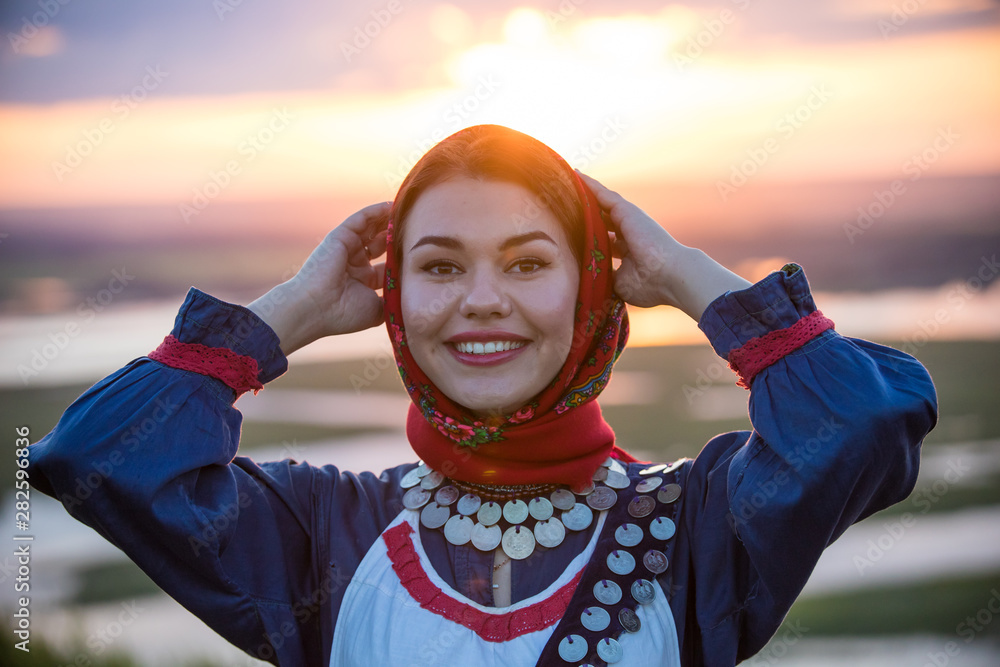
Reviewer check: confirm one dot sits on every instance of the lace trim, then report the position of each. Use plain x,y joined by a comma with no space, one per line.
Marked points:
491,627
758,353
236,370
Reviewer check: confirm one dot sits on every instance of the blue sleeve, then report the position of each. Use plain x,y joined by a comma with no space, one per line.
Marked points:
837,427
148,458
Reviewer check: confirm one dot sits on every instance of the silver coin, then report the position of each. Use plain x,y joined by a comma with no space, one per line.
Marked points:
410,479
607,592
518,542
573,648
422,469
669,493
675,465
458,530
608,461
416,498
578,518
515,511
434,516
540,509
562,499
655,561
489,513
652,470
469,504
446,495
603,497
621,562
648,484
609,650
641,506
550,533
617,467
583,489
643,591
627,617
486,538
617,480
628,535
431,480
662,528
600,475
595,619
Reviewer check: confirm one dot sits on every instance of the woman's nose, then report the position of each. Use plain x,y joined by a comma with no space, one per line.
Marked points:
484,296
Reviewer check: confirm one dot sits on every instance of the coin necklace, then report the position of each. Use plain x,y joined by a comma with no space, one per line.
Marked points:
515,518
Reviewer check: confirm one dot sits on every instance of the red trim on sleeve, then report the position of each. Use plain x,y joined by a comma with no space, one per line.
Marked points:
236,370
499,627
758,353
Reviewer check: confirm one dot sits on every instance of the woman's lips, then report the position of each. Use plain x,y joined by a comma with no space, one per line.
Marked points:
491,359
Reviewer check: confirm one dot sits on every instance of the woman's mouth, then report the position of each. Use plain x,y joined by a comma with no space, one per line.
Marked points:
489,353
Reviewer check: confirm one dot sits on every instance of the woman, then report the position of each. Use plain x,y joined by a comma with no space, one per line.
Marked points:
524,536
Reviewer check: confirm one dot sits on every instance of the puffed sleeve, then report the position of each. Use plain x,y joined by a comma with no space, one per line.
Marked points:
837,427
148,458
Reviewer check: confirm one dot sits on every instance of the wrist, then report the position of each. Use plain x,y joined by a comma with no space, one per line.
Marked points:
289,317
693,280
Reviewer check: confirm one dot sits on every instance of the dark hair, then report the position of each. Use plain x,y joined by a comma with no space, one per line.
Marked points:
494,152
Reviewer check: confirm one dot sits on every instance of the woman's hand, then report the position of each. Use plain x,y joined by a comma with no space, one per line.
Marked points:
334,291
655,269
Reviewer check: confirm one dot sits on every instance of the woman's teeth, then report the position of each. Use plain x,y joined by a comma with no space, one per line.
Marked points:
488,348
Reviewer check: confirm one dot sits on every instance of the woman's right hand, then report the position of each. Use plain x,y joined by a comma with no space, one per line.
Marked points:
334,291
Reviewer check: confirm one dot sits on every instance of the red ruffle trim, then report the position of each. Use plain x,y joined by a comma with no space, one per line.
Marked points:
758,353
236,370
491,627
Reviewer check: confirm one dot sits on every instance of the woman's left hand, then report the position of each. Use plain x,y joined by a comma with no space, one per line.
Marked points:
655,268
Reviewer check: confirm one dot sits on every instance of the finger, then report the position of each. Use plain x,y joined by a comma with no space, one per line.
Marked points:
606,197
377,245
367,222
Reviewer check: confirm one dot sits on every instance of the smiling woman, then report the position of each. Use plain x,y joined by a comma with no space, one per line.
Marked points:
524,535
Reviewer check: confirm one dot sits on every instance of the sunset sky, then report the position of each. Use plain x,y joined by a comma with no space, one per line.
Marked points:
141,102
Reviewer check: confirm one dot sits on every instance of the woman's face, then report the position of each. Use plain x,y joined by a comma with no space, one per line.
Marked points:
489,285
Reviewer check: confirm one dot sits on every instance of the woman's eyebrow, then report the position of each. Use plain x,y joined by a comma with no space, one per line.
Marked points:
455,244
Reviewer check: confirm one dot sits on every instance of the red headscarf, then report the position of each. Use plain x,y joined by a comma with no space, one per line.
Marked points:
560,436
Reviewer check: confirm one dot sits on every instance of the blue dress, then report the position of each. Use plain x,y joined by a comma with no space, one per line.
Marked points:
264,551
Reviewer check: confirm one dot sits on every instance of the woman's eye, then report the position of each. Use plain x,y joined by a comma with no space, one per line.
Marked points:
528,265
441,268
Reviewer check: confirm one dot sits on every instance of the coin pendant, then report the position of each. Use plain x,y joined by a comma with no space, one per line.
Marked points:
602,498
607,592
662,528
416,498
573,648
562,499
446,495
600,475
628,535
486,538
431,480
652,470
410,479
423,469
584,489
641,506
540,509
669,493
621,562
578,518
515,511
518,542
609,650
458,530
643,591
489,513
648,484
617,467
469,504
434,516
595,619
550,533
629,620
617,480
655,561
